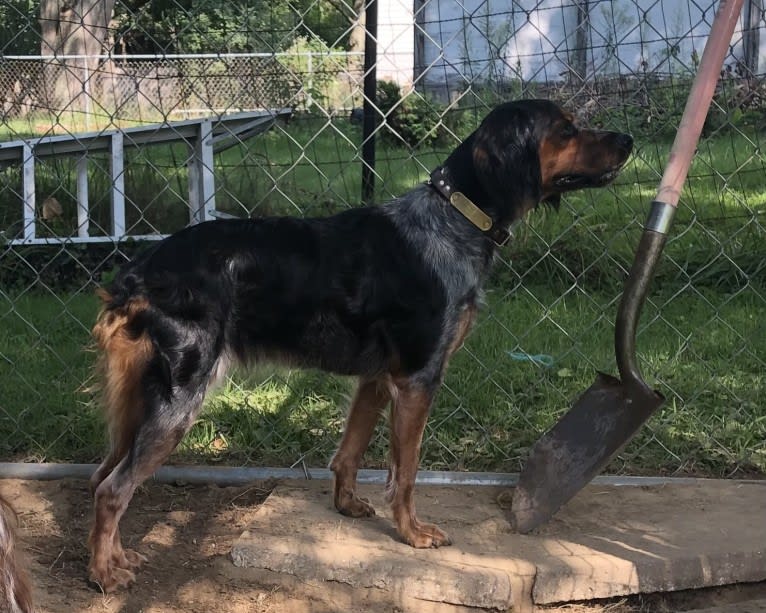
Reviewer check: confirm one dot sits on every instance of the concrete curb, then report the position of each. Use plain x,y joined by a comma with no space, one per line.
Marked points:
609,541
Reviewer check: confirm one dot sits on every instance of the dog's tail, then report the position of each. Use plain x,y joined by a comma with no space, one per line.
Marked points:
124,350
15,588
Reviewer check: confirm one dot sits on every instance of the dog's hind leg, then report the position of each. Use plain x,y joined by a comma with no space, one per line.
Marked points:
370,398
409,415
123,357
151,401
111,566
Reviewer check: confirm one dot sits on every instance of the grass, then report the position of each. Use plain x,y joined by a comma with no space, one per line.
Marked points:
553,292
491,408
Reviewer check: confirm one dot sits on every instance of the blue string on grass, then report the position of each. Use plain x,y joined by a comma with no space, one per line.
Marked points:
539,359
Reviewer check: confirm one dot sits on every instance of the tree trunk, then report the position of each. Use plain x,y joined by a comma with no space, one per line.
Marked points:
751,19
356,37
578,62
72,27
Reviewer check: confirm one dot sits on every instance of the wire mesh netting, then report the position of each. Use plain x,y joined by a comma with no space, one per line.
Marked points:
125,121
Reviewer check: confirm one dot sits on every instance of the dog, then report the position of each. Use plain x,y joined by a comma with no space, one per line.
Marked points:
15,588
384,293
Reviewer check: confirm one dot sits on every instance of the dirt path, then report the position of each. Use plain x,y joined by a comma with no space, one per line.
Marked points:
187,533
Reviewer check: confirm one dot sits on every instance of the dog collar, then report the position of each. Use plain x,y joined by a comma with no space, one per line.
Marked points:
441,181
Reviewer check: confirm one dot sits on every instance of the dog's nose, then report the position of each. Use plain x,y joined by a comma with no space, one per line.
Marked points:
625,142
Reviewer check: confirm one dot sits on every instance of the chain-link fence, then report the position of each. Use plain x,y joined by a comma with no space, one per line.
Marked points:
130,119
148,88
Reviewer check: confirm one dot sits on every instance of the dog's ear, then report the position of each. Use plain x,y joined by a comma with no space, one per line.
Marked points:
507,163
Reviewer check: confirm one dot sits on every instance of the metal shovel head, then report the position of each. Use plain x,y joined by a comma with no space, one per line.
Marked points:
579,446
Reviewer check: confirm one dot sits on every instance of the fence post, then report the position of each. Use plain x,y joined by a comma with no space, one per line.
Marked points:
86,93
201,176
579,59
117,155
370,101
309,79
419,65
82,196
28,190
751,17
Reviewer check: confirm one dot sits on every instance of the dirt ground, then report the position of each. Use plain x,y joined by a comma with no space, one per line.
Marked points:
187,533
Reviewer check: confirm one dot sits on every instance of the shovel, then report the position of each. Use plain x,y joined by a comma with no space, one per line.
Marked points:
610,412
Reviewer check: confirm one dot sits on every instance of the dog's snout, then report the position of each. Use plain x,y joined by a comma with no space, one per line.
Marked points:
625,142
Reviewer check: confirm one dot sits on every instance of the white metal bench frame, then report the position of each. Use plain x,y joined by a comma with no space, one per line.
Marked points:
205,137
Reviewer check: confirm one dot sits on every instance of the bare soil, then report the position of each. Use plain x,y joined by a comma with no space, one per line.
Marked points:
187,533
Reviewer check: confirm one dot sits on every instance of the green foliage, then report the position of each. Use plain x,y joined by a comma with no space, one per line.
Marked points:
183,26
656,106
310,61
210,26
326,21
655,113
19,28
739,103
193,26
417,120
64,268
388,95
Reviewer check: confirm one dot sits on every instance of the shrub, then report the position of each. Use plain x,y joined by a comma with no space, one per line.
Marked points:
417,120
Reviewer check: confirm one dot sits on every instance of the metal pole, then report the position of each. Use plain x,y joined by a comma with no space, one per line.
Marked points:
582,36
751,36
86,94
420,44
370,101
235,475
310,79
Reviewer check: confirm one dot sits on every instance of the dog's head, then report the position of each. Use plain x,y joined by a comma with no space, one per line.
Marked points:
532,151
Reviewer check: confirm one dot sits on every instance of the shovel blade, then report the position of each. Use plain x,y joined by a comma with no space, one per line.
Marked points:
579,446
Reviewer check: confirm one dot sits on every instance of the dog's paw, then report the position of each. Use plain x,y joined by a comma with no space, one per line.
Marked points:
132,559
111,579
425,536
127,559
351,505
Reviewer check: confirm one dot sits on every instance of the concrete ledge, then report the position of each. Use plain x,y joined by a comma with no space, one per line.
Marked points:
609,541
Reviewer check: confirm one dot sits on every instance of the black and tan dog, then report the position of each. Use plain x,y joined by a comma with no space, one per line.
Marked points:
384,293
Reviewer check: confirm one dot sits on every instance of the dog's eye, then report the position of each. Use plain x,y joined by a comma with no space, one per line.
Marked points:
568,131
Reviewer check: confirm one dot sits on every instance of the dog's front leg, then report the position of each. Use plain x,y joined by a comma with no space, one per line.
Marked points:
370,399
409,414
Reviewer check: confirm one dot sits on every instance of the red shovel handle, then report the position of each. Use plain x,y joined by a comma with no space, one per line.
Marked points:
698,103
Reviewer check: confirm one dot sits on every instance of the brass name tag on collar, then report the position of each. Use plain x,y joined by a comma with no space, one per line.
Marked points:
470,211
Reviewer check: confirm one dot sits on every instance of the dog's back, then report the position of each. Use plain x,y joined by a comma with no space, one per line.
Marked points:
15,589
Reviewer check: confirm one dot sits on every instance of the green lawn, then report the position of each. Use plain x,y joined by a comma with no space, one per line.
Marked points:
491,409
554,292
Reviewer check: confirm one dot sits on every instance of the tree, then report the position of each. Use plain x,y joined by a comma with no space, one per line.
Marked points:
203,26
72,28
578,61
752,16
354,12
